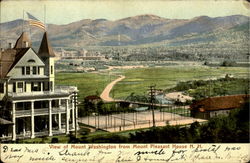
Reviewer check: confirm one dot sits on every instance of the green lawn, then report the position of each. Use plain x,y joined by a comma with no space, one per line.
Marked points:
90,136
87,83
61,139
138,80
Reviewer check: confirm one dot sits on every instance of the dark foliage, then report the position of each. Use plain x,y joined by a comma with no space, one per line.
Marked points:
54,140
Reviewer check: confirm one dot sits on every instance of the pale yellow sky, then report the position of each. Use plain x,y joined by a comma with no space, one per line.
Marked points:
66,11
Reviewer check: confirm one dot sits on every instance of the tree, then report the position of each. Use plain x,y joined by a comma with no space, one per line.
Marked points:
228,63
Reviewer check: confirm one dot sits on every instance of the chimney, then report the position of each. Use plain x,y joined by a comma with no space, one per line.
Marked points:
10,45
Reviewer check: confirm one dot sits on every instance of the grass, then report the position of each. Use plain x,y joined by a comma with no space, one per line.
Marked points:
138,80
221,88
87,83
92,135
61,139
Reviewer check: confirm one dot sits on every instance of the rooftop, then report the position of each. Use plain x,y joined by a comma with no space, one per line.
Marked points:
220,103
45,49
23,41
9,58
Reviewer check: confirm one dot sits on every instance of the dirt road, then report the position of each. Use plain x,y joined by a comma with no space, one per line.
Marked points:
105,93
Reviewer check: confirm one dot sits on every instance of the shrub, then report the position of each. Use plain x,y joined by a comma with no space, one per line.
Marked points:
54,140
228,63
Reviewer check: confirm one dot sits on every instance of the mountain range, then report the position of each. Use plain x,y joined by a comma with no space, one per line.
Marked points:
137,30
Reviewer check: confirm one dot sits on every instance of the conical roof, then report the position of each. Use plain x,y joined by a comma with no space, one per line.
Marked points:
45,49
23,41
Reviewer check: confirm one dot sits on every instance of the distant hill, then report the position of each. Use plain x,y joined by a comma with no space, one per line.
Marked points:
137,30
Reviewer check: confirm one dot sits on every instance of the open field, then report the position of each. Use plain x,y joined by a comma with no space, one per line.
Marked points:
87,83
137,80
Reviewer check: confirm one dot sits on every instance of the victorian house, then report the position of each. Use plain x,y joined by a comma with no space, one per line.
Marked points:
31,104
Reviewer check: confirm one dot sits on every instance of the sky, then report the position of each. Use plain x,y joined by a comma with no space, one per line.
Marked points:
67,11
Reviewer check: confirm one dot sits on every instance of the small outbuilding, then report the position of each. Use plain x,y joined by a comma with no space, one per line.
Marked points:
93,99
214,106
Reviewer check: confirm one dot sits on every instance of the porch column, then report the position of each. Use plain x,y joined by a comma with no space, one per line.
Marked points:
24,129
32,120
67,117
59,116
76,110
73,113
41,86
50,118
14,121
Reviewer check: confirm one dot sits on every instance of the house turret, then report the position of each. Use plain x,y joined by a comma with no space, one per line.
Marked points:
47,54
23,41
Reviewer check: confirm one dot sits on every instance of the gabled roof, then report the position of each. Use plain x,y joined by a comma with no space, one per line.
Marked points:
9,58
45,49
21,41
220,103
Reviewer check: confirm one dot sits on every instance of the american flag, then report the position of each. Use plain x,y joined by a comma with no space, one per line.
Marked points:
35,22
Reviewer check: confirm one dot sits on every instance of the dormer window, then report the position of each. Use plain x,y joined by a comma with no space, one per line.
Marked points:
31,61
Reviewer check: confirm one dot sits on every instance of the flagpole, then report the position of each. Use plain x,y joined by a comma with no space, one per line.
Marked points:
23,20
1,34
45,17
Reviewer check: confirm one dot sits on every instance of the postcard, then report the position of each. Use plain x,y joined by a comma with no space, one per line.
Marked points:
124,81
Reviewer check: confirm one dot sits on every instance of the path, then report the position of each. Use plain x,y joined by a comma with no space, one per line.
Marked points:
105,93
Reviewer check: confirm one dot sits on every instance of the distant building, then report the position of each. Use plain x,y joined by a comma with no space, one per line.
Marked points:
30,103
93,99
214,106
83,54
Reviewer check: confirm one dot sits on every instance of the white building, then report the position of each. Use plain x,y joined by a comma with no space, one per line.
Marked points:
30,103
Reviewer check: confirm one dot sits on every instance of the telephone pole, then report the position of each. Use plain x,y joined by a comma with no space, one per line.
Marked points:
152,100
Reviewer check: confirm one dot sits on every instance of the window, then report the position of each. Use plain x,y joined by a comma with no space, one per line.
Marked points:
51,69
14,87
27,70
51,86
34,70
36,86
20,85
1,87
38,70
23,70
31,61
46,86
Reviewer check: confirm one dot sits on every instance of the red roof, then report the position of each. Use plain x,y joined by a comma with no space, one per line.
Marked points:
9,58
220,103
